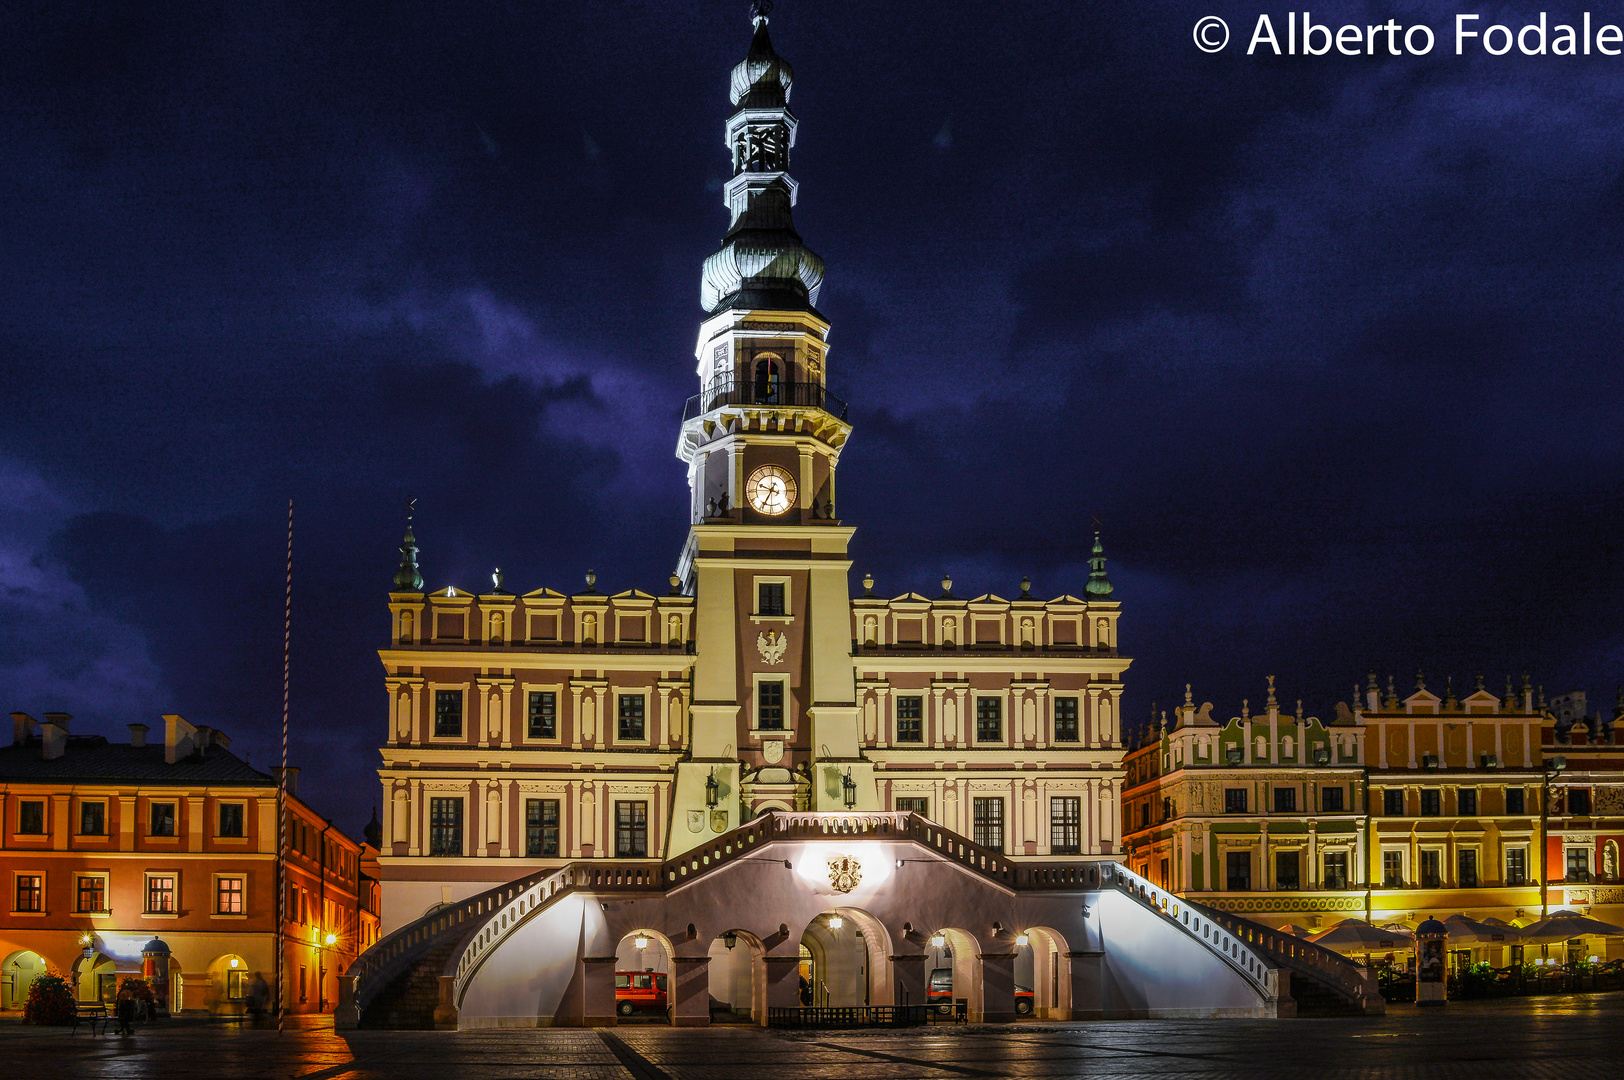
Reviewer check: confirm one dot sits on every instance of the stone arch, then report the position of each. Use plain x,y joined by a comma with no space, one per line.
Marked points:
1051,979
959,952
738,975
17,974
90,977
656,959
228,984
851,961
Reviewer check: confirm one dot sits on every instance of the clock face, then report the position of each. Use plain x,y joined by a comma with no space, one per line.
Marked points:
771,490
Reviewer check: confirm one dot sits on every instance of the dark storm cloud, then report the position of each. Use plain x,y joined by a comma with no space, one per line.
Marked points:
1329,348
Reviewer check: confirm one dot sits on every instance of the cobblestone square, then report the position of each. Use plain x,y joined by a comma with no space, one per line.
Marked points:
1574,1038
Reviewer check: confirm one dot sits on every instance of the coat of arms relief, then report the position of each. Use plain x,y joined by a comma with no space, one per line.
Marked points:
845,873
772,645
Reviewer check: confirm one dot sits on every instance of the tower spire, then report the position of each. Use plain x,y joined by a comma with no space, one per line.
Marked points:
762,262
408,578
1099,586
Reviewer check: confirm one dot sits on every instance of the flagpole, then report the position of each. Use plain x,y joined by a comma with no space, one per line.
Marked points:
282,780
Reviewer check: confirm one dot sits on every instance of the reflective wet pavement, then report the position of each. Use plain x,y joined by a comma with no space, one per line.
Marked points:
1574,1038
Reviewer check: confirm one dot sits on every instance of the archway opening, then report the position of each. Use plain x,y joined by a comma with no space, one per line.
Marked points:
643,978
96,978
846,960
231,988
1050,980
17,975
738,979
953,976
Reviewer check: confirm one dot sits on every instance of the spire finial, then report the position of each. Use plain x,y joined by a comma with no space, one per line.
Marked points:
1271,703
1189,698
868,584
408,578
1099,586
759,9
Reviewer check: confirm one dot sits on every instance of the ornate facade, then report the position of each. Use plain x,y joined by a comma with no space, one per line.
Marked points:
529,730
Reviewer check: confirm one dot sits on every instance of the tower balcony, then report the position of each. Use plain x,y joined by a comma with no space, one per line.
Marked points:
778,394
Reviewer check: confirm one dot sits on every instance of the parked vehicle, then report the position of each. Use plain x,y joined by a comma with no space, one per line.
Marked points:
637,991
940,993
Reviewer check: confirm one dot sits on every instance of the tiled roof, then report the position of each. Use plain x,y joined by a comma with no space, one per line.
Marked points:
91,758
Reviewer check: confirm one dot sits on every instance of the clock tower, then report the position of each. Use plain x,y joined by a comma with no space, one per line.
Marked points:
774,713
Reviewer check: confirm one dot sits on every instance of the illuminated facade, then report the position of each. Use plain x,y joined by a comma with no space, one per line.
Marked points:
109,847
1586,823
1394,810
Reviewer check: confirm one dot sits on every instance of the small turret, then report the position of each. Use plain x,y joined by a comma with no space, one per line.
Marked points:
1099,586
408,578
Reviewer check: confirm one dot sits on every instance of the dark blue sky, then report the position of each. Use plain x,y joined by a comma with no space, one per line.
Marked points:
1329,345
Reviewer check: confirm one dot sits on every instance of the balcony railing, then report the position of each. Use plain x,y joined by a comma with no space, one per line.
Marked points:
806,395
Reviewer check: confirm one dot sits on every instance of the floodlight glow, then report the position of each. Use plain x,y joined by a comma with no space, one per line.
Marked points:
640,942
1022,941
235,961
836,922
938,941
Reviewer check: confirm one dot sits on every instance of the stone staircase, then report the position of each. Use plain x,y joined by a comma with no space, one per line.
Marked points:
1323,983
408,1000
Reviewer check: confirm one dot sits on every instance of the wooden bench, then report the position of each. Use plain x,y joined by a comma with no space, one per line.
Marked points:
92,1013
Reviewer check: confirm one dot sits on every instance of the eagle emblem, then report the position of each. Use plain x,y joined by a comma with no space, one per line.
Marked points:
772,645
845,873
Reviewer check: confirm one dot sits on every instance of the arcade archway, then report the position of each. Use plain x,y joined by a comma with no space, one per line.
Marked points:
1049,982
17,975
953,971
738,978
847,954
643,977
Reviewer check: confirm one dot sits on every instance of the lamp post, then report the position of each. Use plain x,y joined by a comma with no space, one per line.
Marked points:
1552,769
323,941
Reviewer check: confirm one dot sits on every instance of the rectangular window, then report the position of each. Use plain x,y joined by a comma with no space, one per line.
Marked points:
160,894
913,806
543,714
1578,864
1466,866
302,998
90,893
1065,719
631,829
989,719
1517,865
1332,800
770,706
1288,870
1336,870
770,598
447,714
92,819
988,821
228,896
1285,800
231,819
541,827
162,819
234,989
1066,825
1431,868
631,716
30,892
1432,803
1466,802
1579,801
31,817
1235,800
910,719
445,826
1514,800
1393,802
1393,869
1238,871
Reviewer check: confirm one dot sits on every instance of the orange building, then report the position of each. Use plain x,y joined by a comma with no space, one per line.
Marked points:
160,858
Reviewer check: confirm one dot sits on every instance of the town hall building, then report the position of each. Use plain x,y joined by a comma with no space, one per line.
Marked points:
770,790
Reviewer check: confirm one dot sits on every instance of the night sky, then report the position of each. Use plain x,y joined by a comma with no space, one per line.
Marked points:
1329,345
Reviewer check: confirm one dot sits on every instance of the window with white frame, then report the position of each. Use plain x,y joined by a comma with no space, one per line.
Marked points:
29,897
163,893
632,709
773,597
229,892
90,894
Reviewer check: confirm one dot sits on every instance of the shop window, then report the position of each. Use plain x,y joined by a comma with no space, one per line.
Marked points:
541,827
543,715
1065,719
910,719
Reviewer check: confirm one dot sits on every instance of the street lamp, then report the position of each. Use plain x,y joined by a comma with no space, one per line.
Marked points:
836,922
640,942
322,942
1554,767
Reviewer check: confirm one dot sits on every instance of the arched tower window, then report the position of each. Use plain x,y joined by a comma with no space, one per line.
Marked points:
769,378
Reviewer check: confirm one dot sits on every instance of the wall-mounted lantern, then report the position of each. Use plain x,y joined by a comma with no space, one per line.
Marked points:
848,788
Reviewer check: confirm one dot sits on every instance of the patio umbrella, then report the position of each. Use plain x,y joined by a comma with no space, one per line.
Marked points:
1358,936
1297,931
1464,931
1564,925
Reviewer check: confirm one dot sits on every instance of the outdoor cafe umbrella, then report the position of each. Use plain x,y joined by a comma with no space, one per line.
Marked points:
1565,925
1297,931
1464,931
1358,936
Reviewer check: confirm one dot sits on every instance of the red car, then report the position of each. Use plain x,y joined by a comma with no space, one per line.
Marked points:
639,990
940,993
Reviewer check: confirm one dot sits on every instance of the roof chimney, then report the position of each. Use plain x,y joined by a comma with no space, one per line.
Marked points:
22,728
54,735
179,738
138,734
293,778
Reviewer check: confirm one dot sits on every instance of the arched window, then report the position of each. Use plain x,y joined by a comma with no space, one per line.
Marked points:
768,380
